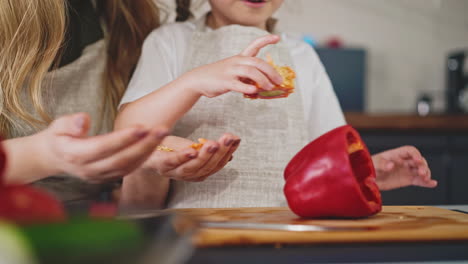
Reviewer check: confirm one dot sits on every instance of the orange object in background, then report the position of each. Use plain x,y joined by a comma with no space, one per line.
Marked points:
280,91
24,204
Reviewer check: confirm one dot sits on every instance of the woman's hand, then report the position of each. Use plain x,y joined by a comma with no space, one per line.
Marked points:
67,149
243,73
192,165
402,167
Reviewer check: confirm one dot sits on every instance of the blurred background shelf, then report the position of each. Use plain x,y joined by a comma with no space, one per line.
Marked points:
408,122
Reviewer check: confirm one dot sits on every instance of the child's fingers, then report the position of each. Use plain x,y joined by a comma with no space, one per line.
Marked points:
252,73
424,162
227,142
410,152
228,155
264,67
425,172
383,164
388,166
242,87
190,169
425,183
254,47
213,165
422,177
170,161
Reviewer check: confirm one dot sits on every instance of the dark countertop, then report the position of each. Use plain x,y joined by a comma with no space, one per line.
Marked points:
407,122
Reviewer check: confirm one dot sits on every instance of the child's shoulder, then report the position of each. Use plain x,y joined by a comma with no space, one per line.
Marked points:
172,31
298,47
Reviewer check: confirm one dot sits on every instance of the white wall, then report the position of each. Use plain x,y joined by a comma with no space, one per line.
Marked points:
407,42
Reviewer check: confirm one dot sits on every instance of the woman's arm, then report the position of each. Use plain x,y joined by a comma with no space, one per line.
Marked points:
65,148
26,161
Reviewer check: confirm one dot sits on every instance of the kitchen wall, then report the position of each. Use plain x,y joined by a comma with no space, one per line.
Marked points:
407,41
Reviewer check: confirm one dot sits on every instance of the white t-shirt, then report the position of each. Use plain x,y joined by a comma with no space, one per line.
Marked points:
162,61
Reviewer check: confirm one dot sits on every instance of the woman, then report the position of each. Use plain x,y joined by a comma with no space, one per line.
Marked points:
31,35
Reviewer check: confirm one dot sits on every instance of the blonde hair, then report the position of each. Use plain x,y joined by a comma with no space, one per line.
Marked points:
31,34
128,23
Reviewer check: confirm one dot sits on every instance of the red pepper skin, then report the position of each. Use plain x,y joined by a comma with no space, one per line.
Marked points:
24,204
330,178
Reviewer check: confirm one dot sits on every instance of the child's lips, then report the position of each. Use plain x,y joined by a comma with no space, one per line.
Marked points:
255,3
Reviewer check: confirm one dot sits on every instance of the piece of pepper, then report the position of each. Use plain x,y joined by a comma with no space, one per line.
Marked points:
279,91
24,204
199,145
333,176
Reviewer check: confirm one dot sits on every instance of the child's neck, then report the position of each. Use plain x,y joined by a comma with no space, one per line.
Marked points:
215,21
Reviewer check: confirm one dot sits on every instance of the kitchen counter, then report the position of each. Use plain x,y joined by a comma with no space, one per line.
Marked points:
392,251
407,122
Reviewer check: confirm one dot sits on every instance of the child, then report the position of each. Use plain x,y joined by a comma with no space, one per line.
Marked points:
273,130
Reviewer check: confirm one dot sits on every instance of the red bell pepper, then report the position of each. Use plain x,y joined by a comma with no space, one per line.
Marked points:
24,204
333,176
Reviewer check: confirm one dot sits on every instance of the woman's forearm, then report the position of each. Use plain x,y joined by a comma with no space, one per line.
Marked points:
143,189
26,160
162,107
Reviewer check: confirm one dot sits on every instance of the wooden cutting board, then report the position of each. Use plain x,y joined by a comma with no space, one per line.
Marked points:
393,224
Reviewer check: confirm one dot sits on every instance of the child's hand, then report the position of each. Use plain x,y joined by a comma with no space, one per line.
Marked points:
187,164
402,167
67,149
243,73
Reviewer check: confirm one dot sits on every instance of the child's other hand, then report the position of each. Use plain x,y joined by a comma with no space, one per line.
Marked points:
187,164
402,167
243,73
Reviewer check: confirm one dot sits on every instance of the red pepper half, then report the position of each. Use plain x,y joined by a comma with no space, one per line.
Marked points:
333,176
24,204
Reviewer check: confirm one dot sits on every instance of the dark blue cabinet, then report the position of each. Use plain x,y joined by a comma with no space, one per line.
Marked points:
347,71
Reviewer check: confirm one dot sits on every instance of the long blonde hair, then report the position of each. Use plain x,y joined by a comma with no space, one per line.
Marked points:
31,34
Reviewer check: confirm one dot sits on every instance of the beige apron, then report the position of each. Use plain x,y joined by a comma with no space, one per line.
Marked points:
73,88
272,131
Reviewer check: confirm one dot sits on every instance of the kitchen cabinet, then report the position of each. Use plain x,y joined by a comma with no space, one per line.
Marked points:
434,150
445,147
